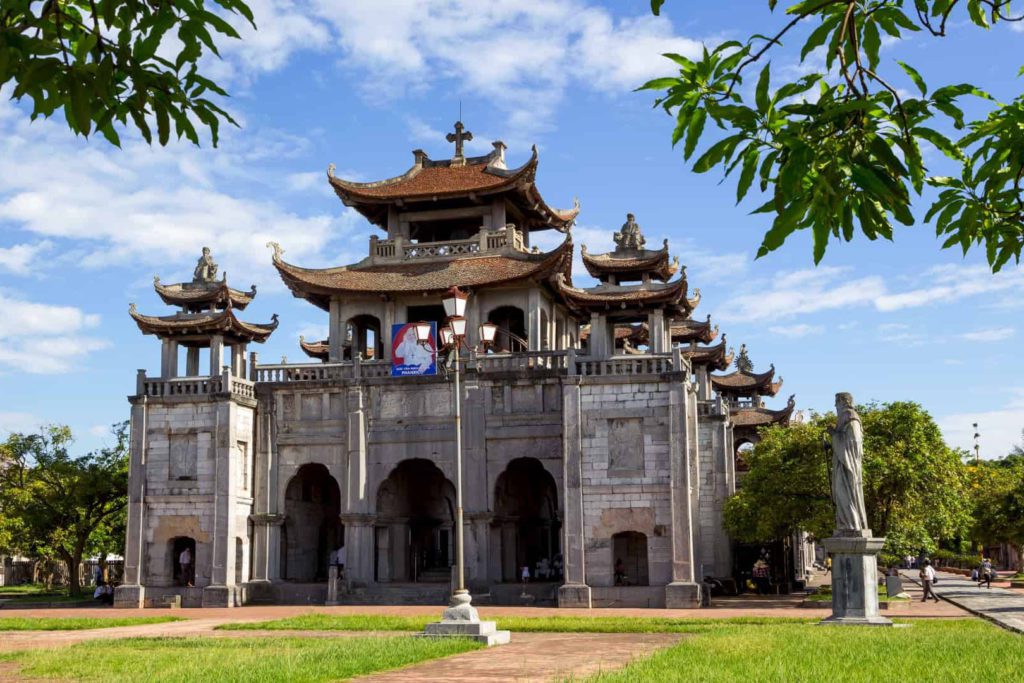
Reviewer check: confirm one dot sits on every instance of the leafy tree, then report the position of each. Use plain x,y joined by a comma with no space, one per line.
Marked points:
55,505
997,495
914,485
101,61
839,149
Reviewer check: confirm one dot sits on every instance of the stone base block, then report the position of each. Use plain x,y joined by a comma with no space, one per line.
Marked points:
130,596
219,596
854,580
574,595
682,595
855,621
485,632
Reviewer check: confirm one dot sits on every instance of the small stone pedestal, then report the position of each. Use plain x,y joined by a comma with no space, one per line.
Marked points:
574,595
133,596
682,595
855,580
462,621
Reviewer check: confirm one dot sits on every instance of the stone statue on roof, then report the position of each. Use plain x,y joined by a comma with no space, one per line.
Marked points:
629,236
206,269
847,468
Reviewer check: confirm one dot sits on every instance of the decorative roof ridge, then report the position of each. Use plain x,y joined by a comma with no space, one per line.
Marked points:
215,287
319,349
776,413
759,376
689,324
491,163
227,314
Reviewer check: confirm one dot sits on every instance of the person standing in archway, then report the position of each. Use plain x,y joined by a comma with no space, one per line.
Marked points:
185,560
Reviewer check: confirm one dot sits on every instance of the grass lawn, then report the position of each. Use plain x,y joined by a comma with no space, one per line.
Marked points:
357,622
185,660
953,650
35,592
75,623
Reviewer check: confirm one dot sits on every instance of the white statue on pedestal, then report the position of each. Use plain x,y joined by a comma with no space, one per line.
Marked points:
847,467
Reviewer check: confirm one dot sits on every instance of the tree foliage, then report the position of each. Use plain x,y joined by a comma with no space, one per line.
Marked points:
914,485
839,149
997,496
54,505
101,62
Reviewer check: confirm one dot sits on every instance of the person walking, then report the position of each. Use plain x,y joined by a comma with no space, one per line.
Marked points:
987,573
828,564
927,576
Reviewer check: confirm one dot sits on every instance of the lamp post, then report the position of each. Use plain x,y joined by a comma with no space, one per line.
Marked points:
461,618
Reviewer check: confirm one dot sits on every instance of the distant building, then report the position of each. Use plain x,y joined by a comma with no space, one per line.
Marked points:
599,447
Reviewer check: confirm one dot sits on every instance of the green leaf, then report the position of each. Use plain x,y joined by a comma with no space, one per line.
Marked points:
977,13
914,76
660,84
821,232
693,132
761,94
871,43
80,105
750,159
818,36
656,7
944,144
163,124
718,152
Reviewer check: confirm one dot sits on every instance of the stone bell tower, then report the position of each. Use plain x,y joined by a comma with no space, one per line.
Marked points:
191,467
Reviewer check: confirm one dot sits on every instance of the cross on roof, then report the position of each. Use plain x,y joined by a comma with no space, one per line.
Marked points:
458,137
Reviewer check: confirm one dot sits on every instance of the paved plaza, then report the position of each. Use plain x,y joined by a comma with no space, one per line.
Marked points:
1002,606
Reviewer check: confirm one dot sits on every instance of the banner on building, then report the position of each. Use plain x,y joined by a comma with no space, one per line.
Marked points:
408,356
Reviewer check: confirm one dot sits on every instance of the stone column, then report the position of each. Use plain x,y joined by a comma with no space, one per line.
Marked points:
358,519
574,592
533,320
385,332
216,355
703,383
169,359
192,361
475,491
683,592
335,332
132,592
656,331
220,592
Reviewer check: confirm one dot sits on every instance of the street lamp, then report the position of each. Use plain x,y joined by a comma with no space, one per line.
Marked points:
460,612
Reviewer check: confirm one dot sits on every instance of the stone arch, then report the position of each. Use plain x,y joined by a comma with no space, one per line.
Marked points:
312,527
511,322
629,559
176,546
526,525
365,331
744,446
415,524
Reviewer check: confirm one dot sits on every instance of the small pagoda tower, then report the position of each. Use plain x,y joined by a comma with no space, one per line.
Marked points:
744,391
620,312
206,321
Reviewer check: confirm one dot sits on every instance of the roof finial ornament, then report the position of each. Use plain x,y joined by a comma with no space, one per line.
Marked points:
743,362
206,269
277,250
629,237
331,168
458,137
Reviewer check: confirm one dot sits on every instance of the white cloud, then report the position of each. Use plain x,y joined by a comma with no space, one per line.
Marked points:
797,331
21,259
19,422
990,335
1000,429
801,292
44,339
947,283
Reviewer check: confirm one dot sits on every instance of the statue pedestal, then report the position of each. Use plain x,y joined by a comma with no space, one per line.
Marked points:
855,579
461,620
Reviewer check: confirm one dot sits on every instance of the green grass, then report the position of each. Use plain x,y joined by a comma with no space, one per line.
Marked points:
75,623
358,622
228,660
29,589
36,592
954,650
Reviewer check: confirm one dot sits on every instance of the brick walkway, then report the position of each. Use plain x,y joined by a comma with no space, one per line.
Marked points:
1000,605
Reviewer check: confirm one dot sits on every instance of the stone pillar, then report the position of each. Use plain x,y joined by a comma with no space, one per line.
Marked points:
221,592
359,548
385,332
335,333
475,491
358,519
533,332
703,383
192,361
656,331
238,360
855,579
684,591
600,346
216,354
574,592
169,359
132,592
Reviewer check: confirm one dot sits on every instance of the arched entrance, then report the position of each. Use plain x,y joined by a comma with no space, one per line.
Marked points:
182,575
629,558
415,519
526,520
312,529
511,334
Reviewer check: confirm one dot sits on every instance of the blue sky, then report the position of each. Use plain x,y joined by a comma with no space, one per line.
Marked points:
84,227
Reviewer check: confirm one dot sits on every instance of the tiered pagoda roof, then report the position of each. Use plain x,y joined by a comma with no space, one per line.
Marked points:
320,350
716,357
631,264
195,329
687,331
747,383
762,417
433,180
428,277
207,309
198,296
604,298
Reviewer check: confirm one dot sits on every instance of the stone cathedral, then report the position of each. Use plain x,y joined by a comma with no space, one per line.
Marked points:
601,430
